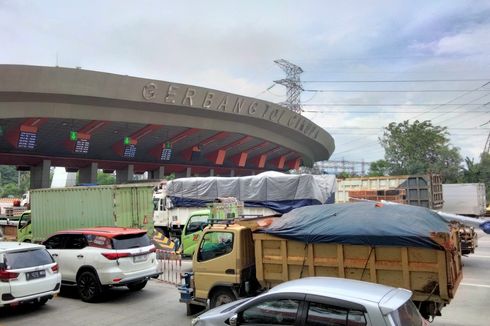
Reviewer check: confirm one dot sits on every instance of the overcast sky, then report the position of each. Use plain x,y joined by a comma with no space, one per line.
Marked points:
342,46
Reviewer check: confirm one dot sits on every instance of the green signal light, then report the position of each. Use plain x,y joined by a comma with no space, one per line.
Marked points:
168,145
127,140
73,135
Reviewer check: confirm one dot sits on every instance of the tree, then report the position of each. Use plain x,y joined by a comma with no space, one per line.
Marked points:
484,169
379,168
420,147
105,178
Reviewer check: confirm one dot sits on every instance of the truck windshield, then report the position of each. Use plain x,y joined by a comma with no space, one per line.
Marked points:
407,315
196,223
24,220
215,244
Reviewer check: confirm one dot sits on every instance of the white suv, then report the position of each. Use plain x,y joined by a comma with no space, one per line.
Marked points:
97,258
28,273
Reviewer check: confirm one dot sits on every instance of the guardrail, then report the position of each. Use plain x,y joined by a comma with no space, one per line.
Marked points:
170,266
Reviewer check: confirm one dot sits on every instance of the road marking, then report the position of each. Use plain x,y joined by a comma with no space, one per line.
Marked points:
477,285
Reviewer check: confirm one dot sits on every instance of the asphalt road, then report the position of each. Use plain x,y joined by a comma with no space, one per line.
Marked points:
158,303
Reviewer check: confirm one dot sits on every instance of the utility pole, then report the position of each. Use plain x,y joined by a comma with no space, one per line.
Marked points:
292,83
487,145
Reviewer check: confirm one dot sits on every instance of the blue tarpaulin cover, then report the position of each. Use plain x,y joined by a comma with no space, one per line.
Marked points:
361,224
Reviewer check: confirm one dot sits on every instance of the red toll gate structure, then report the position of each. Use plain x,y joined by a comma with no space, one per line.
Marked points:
86,120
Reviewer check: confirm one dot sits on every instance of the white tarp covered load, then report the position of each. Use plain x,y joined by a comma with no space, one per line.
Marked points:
264,187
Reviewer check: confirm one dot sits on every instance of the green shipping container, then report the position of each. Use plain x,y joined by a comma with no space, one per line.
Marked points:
58,209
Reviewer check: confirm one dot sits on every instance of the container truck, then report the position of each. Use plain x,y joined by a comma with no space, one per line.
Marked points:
419,190
396,245
56,209
468,199
266,193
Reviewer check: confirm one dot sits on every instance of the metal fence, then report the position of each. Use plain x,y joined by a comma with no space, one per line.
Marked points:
170,266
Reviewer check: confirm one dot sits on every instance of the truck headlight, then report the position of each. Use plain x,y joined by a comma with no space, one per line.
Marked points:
195,321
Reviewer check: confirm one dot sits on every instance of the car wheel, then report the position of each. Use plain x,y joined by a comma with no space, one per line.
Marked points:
136,286
88,286
222,296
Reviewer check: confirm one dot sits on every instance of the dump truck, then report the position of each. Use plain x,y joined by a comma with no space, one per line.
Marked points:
396,245
423,190
55,209
266,193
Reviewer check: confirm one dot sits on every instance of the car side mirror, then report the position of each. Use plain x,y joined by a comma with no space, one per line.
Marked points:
234,320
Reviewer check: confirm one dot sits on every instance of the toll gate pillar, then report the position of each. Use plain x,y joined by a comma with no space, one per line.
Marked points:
125,175
88,174
40,175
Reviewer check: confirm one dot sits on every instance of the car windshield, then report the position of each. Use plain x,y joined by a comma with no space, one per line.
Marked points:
407,315
28,258
128,241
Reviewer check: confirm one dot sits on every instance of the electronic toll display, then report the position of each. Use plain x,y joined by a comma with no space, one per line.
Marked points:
129,151
81,146
27,140
166,154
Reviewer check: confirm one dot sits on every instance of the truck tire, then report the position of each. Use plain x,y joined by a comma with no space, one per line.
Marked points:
137,286
88,286
221,296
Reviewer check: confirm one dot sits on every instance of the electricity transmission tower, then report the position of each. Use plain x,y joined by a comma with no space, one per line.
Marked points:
292,83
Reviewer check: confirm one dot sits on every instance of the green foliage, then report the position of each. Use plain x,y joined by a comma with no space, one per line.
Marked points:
484,169
12,182
420,148
379,168
171,176
11,190
105,178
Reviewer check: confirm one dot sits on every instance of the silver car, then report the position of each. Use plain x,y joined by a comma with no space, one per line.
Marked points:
319,301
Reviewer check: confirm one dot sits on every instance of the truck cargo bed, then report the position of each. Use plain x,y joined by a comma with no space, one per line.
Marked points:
432,275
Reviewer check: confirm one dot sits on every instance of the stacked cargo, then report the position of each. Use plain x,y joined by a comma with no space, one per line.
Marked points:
392,195
420,190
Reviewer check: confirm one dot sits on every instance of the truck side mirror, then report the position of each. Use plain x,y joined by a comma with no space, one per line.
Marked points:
234,320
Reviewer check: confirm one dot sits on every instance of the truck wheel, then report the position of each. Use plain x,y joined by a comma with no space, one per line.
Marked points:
88,286
221,296
136,286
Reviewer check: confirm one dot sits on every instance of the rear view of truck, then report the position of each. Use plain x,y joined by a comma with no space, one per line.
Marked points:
396,245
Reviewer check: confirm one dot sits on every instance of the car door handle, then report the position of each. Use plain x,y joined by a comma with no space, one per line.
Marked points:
230,271
54,255
80,256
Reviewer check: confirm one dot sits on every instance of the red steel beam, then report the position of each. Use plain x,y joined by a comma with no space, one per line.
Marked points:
218,156
187,153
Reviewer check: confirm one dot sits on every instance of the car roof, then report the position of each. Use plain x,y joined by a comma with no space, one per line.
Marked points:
10,246
389,298
106,231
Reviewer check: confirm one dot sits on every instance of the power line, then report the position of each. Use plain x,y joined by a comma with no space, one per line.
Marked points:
392,91
381,111
399,81
452,100
395,104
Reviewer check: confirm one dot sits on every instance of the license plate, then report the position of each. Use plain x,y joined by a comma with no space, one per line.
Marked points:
35,274
140,258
